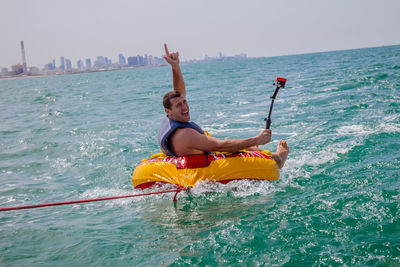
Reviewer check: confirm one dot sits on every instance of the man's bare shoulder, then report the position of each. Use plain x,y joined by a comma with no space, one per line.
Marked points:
187,133
187,141
188,137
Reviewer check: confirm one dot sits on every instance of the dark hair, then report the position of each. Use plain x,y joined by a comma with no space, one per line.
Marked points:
168,96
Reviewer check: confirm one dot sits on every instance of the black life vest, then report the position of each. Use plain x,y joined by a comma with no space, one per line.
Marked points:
167,128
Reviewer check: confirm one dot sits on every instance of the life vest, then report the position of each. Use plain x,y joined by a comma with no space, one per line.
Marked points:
167,128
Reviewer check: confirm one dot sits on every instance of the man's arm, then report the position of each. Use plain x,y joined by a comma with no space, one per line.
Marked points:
177,77
188,141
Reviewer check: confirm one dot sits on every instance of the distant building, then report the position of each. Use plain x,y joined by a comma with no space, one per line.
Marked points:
133,61
24,68
4,71
121,59
140,60
62,66
34,71
50,66
88,64
107,62
100,62
68,64
158,61
150,60
17,69
136,61
79,65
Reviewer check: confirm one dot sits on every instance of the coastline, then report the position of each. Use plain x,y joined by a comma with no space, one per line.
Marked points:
25,76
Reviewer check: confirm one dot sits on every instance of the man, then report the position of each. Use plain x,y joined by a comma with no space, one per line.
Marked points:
178,136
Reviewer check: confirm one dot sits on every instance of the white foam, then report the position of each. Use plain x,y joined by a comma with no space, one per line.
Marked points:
10,200
356,129
312,156
237,188
99,192
363,130
391,118
61,164
389,128
249,115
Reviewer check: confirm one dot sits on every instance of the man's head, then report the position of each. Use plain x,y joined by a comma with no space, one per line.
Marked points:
176,106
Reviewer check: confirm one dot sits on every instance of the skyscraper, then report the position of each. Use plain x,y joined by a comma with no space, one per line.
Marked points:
79,64
62,66
100,62
68,64
122,60
88,64
23,58
140,60
133,61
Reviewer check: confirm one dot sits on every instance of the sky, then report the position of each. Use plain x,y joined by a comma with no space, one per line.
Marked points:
79,29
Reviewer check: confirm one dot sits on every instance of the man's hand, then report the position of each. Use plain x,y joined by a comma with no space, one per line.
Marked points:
264,137
177,78
171,58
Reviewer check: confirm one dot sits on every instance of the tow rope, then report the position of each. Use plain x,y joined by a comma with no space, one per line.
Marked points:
177,190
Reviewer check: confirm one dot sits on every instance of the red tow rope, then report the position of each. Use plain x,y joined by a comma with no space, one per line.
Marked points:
177,190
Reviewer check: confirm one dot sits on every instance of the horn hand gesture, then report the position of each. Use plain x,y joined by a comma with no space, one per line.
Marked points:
171,58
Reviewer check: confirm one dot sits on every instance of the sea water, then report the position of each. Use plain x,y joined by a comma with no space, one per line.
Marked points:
337,201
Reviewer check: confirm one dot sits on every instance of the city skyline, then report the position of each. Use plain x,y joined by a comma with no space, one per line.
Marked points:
74,28
66,63
101,63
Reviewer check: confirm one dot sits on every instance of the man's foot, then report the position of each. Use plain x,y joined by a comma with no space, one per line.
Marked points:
282,152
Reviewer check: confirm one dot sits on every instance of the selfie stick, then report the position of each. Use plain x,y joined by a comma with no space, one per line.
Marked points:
280,83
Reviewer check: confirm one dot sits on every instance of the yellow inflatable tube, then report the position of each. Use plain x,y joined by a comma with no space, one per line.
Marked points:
188,170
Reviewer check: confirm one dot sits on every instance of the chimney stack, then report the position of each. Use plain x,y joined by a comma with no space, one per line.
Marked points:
23,57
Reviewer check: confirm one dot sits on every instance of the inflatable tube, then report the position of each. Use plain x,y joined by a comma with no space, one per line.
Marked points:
188,170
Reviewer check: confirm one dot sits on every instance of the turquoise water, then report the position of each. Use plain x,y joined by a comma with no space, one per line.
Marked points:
80,136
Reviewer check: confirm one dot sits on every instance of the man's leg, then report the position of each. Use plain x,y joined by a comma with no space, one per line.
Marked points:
281,154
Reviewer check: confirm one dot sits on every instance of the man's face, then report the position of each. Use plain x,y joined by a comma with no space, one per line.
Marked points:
179,109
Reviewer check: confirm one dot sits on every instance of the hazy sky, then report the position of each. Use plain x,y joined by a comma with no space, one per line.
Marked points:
78,29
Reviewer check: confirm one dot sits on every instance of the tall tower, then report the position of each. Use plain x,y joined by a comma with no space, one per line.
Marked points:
23,58
62,60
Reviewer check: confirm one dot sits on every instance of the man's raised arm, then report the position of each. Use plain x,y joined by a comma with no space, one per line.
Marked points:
177,77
